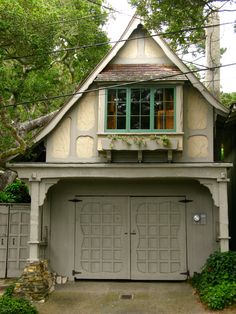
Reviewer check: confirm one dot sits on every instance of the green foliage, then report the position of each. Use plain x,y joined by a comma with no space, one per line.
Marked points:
41,56
17,192
181,20
220,296
216,284
11,305
228,98
9,291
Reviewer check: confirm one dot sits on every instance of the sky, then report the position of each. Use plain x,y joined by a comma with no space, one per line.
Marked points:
118,24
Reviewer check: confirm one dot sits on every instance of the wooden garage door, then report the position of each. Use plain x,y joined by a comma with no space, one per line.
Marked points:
130,238
101,245
158,238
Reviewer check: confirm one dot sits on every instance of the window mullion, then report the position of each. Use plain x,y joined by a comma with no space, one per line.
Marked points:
128,106
152,109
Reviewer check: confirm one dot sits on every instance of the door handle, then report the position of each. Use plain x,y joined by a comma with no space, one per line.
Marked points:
2,242
133,233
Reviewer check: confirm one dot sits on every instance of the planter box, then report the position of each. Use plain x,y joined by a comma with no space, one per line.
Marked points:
146,144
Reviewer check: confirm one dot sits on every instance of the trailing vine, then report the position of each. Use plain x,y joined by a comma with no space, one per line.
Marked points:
139,140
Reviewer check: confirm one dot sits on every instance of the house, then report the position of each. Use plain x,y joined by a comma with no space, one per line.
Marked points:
129,188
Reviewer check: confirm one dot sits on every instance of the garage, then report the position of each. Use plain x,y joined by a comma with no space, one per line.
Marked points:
129,229
138,238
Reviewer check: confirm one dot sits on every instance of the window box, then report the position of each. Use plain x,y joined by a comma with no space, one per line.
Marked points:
137,143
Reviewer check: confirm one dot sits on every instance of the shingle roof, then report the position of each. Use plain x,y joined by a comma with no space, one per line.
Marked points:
140,72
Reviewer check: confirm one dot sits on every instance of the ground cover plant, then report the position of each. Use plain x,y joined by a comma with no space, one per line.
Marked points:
14,305
216,284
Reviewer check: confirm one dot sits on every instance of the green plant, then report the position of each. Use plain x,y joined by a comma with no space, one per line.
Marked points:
17,192
216,284
165,140
219,296
9,291
13,305
139,140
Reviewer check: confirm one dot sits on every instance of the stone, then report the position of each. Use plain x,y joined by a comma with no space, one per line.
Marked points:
36,282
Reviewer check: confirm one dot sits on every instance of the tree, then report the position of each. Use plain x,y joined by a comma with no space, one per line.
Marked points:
228,98
181,20
38,60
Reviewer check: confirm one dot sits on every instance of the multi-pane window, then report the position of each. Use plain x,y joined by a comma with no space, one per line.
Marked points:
116,109
142,108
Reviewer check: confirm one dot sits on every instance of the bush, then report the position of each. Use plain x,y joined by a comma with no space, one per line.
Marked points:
17,192
13,305
219,296
216,284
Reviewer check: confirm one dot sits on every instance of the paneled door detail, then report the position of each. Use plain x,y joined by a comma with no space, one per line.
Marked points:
14,237
139,238
101,244
158,239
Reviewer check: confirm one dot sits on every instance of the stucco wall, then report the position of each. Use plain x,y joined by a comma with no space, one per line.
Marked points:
75,138
141,50
201,238
198,128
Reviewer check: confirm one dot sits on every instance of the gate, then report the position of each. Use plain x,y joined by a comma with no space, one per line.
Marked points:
14,237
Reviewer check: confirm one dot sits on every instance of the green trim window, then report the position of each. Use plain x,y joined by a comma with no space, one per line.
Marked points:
140,109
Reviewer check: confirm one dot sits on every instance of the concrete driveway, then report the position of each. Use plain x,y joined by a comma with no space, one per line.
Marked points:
117,297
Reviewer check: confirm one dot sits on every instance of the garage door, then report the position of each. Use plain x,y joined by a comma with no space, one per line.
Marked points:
130,238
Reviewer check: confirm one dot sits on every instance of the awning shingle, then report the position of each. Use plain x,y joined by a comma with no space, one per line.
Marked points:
140,72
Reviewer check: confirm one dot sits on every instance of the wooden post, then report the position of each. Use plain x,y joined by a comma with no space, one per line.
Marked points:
34,222
223,216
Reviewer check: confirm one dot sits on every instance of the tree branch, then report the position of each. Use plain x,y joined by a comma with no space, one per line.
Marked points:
28,126
21,145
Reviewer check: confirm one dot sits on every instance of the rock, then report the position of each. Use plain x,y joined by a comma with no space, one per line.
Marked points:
36,282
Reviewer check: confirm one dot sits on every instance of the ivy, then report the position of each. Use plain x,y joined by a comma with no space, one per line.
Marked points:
216,284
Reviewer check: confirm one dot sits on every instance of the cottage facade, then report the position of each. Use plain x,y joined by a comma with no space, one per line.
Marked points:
129,188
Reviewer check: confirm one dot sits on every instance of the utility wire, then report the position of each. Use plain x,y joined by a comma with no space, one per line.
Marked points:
115,86
108,8
116,41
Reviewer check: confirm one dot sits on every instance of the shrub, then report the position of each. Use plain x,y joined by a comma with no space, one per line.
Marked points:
219,296
13,305
17,192
216,284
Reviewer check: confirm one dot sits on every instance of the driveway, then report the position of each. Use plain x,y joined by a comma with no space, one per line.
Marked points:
117,297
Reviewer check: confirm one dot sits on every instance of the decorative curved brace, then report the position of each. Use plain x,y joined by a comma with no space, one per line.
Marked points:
45,184
212,186
218,189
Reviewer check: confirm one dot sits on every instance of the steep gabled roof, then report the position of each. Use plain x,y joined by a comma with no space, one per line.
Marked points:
134,23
